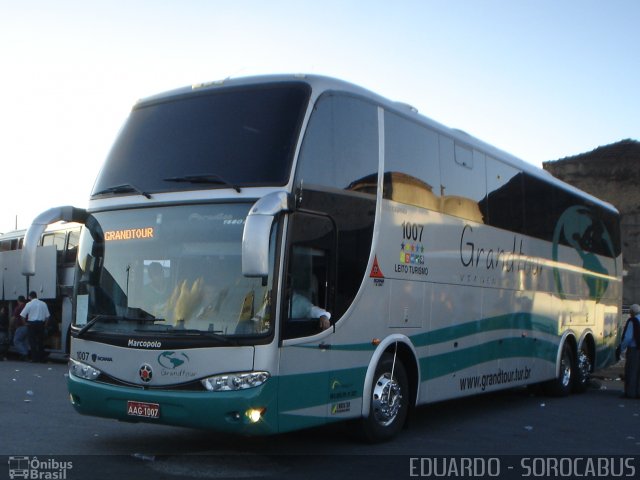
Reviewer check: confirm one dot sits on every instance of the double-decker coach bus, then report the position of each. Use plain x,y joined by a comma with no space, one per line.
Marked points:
55,264
230,219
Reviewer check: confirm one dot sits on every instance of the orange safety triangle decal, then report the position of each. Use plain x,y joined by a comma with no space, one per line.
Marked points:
375,270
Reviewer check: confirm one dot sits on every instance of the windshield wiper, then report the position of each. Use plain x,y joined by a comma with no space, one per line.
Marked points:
124,188
94,320
116,319
210,178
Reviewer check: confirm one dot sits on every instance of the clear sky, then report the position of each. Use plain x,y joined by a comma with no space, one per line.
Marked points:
540,79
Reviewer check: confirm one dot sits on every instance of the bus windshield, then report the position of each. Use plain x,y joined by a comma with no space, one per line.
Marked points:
238,137
169,271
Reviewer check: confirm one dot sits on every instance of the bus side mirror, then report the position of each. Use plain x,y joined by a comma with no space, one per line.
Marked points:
257,232
37,228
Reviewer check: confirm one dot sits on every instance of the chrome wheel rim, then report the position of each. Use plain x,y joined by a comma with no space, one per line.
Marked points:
565,369
387,399
584,366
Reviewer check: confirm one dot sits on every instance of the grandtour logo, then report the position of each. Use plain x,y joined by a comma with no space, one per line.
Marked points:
172,360
508,257
144,343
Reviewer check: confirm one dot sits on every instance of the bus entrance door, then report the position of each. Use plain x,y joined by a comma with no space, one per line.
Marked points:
306,321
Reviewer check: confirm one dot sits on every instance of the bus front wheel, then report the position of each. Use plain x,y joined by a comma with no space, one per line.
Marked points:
389,401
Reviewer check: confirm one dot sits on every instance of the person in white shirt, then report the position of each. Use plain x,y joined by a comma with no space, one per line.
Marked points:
302,308
36,314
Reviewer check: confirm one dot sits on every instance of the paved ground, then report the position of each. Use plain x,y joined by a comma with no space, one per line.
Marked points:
38,420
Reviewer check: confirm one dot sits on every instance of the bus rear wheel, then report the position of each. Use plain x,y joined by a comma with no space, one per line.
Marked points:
561,385
583,371
389,401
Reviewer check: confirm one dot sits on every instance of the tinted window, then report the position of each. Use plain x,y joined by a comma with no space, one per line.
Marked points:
244,136
463,184
503,206
310,277
412,171
340,148
540,219
338,173
561,216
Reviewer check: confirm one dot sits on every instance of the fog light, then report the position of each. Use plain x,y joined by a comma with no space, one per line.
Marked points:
255,414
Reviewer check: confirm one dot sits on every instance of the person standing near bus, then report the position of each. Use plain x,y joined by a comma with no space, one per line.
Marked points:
36,314
20,336
4,332
631,343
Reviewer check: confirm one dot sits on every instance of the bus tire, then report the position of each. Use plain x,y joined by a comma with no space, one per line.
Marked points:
562,385
583,371
389,401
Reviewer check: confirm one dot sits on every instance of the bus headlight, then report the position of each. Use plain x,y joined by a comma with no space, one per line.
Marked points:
235,381
82,370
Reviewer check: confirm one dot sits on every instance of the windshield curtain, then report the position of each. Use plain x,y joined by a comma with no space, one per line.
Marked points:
243,136
170,270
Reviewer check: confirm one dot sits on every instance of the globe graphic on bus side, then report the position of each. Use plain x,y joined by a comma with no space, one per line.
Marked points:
580,229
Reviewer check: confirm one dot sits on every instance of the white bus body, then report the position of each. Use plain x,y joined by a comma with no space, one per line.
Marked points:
449,267
53,280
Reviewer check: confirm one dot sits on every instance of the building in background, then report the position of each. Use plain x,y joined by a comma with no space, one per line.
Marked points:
612,173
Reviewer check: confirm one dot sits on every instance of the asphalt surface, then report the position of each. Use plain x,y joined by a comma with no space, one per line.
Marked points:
38,421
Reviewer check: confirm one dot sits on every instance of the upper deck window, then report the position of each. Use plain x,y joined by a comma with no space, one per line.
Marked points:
340,148
235,136
412,170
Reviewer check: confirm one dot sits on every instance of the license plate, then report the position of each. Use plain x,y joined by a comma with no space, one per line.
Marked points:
143,409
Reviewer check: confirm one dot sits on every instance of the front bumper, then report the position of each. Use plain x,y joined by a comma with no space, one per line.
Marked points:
219,411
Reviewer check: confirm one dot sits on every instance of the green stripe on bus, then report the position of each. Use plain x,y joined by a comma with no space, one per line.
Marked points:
314,389
447,363
517,321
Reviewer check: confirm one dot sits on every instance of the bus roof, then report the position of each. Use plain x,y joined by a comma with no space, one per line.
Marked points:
321,84
54,227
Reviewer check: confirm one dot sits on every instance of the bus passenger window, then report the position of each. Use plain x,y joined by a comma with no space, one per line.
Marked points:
340,147
411,163
73,239
463,180
58,239
503,206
